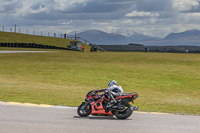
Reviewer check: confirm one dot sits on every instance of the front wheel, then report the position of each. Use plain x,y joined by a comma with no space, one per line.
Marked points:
124,114
84,109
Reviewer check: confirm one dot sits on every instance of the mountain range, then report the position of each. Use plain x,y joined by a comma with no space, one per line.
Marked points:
190,38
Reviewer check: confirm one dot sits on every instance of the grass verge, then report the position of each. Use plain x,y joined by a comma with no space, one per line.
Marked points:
165,82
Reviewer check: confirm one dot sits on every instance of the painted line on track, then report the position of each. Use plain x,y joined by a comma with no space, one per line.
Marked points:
36,105
141,112
9,51
60,107
25,104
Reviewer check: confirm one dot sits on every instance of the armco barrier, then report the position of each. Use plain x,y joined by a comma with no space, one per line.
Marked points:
32,45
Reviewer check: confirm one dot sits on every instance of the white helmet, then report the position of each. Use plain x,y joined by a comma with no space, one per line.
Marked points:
111,83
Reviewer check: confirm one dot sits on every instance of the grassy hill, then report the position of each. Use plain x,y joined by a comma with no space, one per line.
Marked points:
8,37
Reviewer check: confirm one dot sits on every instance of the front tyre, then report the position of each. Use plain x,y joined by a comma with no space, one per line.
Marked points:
124,114
84,109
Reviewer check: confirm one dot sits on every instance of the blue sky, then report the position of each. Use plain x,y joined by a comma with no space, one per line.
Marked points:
150,17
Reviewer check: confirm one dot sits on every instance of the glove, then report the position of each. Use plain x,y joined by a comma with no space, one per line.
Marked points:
106,91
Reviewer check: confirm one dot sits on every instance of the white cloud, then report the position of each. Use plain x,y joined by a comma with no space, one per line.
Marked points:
185,5
66,22
65,5
28,8
142,14
39,10
46,6
189,18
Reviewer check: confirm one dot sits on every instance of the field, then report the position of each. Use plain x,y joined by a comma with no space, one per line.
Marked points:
165,82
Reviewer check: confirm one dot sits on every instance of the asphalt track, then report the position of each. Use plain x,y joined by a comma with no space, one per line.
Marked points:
50,119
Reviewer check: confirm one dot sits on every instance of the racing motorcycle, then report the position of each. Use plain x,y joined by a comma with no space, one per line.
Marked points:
96,104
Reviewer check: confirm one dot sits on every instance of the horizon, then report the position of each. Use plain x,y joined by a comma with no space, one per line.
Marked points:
139,33
51,34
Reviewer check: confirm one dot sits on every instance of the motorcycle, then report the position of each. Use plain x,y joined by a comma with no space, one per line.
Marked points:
96,104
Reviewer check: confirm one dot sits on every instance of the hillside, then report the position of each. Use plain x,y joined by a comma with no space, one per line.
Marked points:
7,37
189,33
135,36
115,38
189,38
100,37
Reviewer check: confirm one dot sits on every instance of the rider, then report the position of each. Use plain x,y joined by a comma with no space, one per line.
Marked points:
112,92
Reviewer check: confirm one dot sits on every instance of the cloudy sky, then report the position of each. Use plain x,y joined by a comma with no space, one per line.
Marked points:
150,17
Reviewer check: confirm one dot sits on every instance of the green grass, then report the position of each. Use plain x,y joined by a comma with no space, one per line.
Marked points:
8,37
165,82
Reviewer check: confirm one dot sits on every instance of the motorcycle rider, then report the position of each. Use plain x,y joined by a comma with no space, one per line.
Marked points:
113,91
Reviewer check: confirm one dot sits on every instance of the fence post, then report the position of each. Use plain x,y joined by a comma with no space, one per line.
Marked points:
15,28
75,36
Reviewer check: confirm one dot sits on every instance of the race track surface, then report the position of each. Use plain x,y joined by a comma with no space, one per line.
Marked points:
28,119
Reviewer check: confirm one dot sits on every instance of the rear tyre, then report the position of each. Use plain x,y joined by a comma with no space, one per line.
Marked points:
84,109
126,113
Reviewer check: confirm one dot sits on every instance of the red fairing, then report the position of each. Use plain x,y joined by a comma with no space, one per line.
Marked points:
97,108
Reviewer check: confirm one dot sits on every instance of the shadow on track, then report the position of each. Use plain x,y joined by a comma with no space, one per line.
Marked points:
98,118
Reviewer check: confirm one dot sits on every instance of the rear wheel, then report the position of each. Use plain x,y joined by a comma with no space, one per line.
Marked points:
124,114
84,109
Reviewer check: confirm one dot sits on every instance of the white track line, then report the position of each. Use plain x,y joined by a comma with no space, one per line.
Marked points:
6,51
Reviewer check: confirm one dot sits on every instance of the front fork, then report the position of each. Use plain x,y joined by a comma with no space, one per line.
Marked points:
85,105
